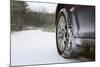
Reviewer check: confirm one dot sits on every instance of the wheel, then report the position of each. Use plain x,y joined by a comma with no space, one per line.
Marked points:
64,35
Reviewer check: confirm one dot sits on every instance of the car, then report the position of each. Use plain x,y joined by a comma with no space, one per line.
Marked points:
75,30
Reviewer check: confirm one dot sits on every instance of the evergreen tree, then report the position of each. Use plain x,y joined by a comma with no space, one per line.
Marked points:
18,10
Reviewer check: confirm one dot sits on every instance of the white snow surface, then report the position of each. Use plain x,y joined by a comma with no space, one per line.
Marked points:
34,47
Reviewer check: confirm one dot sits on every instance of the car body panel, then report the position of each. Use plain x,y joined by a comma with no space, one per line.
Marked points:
86,19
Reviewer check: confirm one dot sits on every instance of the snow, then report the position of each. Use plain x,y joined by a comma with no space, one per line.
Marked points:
34,47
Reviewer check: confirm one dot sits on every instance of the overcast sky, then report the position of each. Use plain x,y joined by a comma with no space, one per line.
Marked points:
48,7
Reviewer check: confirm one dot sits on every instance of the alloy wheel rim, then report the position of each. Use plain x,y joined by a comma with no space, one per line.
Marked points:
64,35
61,34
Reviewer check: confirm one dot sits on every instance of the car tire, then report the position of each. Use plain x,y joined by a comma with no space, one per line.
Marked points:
64,35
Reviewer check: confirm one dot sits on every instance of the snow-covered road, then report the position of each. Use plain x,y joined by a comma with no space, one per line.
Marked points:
35,47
